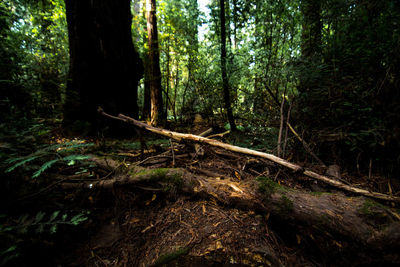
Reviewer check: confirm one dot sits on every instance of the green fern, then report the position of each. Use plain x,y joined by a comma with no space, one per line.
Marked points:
22,162
73,158
41,224
50,150
44,167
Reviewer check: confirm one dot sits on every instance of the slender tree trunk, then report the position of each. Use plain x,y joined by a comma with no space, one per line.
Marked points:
176,89
146,97
225,82
157,114
104,65
168,76
235,23
193,10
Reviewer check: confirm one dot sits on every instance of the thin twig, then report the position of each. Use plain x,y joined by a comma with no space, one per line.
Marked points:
173,153
163,155
286,131
281,128
305,145
370,169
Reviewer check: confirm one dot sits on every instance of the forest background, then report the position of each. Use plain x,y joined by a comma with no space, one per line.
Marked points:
313,82
334,64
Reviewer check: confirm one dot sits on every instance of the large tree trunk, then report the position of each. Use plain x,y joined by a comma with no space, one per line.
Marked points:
154,65
104,65
225,82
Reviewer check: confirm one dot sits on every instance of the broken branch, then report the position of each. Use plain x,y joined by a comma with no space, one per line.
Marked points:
194,138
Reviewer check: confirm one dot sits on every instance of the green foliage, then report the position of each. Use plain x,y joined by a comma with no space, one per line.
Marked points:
51,151
33,40
28,225
348,104
346,95
9,254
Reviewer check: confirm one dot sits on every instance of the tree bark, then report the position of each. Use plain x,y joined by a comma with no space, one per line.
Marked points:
225,81
157,115
104,65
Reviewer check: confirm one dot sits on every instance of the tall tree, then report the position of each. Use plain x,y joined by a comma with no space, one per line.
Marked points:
157,114
104,65
225,81
192,35
146,111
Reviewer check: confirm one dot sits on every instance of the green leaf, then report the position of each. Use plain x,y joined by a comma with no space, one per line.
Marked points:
54,215
53,229
39,216
10,249
21,163
44,167
77,219
73,158
76,157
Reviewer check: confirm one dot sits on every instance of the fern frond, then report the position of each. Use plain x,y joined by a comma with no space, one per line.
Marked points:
21,163
76,157
44,167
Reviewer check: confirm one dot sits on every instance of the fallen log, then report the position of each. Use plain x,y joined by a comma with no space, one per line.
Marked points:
195,138
353,222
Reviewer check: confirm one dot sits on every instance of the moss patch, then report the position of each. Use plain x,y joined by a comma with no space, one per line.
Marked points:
268,186
166,258
170,177
376,213
369,207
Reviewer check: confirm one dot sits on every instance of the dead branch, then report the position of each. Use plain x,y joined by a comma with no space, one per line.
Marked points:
279,146
219,134
207,132
305,145
286,130
194,138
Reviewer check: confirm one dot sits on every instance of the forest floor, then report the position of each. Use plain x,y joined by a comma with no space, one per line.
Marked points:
159,221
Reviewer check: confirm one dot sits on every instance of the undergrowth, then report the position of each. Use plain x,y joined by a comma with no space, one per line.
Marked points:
25,157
